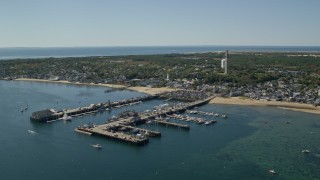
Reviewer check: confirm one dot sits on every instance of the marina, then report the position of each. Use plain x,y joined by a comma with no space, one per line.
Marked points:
124,126
118,127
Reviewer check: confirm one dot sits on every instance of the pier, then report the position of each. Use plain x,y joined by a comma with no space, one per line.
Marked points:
166,123
50,115
123,128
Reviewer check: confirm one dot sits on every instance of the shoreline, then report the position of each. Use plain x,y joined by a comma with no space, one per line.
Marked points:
147,90
307,108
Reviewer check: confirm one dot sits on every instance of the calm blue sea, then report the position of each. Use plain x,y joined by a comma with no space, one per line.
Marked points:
24,53
246,145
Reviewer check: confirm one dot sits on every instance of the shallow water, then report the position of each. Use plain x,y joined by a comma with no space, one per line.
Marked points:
246,145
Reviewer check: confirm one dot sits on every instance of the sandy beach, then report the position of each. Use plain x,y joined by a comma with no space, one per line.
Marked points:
218,100
147,90
250,102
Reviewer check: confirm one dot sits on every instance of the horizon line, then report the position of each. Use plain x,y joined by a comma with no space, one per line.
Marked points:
115,46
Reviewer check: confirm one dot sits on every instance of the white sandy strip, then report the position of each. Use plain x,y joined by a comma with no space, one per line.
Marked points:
284,105
146,90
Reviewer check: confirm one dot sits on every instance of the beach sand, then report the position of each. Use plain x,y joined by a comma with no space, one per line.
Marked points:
147,90
308,108
250,102
151,91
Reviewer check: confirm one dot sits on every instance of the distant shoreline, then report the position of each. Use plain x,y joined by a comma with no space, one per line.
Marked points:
308,108
25,53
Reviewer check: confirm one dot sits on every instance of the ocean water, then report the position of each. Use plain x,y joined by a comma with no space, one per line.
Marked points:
246,145
24,53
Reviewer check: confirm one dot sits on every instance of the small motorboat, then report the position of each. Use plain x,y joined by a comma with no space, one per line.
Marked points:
306,151
272,171
98,146
31,132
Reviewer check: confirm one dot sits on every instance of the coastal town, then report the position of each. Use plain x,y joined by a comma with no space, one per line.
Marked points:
287,77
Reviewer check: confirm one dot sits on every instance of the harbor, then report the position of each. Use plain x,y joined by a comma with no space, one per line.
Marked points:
123,128
229,142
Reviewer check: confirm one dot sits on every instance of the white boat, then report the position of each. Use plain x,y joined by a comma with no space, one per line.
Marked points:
210,122
98,146
193,112
31,132
306,151
224,116
66,117
272,171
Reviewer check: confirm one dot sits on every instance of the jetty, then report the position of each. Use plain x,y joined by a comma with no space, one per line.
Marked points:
123,128
51,115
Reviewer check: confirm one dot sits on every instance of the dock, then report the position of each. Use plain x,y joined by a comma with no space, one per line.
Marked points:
111,134
123,128
145,132
172,124
50,115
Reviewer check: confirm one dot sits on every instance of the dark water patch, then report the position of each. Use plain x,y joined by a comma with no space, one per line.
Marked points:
315,125
224,157
313,158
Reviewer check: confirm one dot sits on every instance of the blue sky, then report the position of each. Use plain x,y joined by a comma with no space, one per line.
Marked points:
55,23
